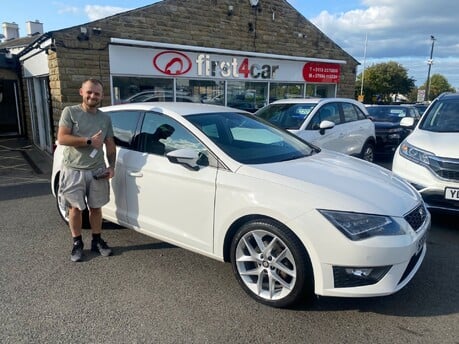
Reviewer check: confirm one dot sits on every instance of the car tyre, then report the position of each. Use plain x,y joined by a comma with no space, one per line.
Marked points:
271,264
368,152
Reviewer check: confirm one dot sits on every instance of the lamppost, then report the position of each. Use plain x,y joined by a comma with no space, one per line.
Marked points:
429,63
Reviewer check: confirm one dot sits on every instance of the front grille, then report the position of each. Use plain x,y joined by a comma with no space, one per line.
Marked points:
444,168
416,217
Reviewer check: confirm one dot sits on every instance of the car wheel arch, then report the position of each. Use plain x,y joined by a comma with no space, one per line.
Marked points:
304,282
237,224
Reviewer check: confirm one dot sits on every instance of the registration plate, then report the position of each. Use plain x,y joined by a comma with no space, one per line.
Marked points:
452,194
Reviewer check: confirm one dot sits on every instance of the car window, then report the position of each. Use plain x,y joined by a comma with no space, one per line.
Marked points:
352,113
124,126
161,134
443,116
387,113
328,112
287,116
248,140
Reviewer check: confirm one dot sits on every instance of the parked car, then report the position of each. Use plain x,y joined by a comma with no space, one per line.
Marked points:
338,124
422,107
387,119
429,157
293,220
159,96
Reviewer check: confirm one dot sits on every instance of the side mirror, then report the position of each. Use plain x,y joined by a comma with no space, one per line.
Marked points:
407,122
324,125
185,156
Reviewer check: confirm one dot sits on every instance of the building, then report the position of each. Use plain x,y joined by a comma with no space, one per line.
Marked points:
239,53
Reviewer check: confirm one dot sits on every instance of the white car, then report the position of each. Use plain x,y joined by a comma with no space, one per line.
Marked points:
293,220
429,157
338,124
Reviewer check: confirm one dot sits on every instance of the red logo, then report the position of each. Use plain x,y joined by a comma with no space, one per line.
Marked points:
172,63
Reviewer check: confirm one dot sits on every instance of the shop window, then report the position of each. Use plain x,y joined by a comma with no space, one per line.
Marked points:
202,91
248,96
134,90
321,90
284,91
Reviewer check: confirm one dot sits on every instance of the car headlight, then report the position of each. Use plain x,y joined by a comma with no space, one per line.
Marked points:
415,154
357,226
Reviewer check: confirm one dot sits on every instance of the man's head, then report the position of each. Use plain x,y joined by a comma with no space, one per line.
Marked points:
92,93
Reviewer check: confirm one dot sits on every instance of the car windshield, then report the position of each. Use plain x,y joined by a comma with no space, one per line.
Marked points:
250,140
443,116
387,113
286,116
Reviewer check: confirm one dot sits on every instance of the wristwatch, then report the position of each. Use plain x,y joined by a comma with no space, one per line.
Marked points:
89,142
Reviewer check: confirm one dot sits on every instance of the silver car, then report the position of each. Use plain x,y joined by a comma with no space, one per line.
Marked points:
338,124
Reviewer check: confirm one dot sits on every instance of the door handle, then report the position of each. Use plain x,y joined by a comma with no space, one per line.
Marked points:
135,174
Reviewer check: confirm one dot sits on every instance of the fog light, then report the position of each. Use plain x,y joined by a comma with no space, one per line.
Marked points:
346,277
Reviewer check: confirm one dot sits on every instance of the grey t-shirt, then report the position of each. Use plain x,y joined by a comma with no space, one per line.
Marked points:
84,124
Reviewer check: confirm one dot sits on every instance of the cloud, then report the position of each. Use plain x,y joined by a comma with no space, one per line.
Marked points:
399,30
66,9
95,12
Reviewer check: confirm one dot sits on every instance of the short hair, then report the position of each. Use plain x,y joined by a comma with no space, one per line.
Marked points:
94,81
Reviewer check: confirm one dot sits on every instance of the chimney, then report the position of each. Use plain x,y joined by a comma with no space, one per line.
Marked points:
10,30
34,27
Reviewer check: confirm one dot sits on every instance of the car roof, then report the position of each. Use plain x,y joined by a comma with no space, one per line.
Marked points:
312,100
448,95
181,108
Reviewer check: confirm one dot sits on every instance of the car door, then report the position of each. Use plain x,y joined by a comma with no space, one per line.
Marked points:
124,128
168,200
355,129
328,138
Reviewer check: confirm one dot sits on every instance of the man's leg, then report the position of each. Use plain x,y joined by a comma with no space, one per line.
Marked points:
98,245
95,219
75,222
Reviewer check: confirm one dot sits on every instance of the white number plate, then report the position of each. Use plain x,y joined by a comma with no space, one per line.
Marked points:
452,194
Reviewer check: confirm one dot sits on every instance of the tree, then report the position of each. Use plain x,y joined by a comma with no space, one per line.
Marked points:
438,85
383,79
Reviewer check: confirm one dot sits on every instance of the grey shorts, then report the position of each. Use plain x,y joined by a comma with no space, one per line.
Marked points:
78,188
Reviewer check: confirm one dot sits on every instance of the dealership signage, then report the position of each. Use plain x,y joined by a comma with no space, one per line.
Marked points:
128,60
321,72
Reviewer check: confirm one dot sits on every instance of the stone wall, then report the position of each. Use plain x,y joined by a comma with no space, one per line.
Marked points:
277,29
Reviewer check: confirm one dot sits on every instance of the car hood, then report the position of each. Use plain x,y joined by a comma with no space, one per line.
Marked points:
386,125
330,180
441,144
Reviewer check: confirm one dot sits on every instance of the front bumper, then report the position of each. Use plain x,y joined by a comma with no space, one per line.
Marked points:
431,188
376,266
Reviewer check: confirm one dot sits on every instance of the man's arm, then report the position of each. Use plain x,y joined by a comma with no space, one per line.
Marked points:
65,137
110,148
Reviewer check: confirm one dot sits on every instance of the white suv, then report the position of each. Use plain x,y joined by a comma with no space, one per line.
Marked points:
337,124
429,157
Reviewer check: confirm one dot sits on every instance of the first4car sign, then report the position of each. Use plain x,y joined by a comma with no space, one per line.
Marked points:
234,68
142,61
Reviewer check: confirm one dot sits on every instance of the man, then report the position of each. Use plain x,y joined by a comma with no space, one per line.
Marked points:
84,129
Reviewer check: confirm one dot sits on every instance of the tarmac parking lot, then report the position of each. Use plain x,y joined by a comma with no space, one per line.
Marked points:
153,292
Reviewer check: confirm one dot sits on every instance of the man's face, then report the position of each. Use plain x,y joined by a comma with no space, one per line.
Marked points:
92,94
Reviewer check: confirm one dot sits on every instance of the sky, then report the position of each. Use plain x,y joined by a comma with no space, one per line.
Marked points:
372,31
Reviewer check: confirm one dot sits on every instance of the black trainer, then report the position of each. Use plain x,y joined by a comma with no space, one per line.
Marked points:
101,247
77,252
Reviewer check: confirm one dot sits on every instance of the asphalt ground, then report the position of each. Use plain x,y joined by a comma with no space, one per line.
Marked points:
153,292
